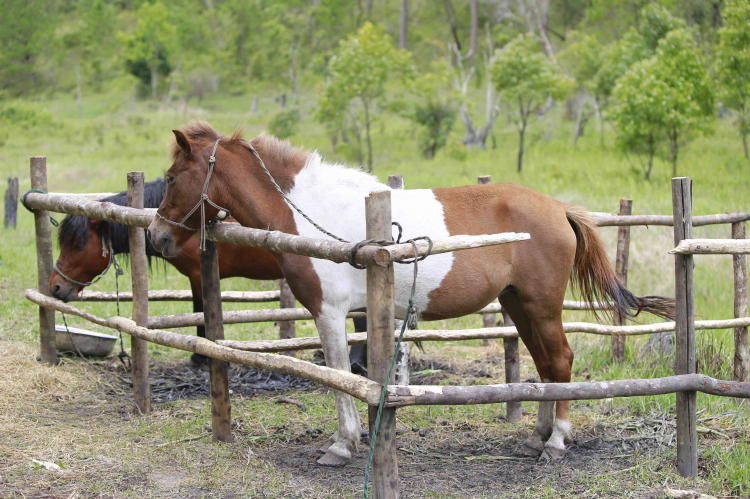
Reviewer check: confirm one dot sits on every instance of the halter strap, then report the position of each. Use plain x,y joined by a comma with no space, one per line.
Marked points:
223,212
100,276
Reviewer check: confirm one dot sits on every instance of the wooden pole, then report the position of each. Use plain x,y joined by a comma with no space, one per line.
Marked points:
221,410
687,433
287,329
512,369
139,273
741,353
11,203
380,320
621,270
488,320
396,181
43,262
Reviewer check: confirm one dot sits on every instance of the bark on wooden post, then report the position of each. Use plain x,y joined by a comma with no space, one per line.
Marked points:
11,203
221,410
44,262
287,329
396,181
687,434
621,269
380,320
138,271
741,354
488,320
512,369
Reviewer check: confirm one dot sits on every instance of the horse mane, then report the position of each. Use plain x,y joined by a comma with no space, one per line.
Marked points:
274,150
74,230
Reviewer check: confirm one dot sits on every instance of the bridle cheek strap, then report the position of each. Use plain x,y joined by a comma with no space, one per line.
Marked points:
223,212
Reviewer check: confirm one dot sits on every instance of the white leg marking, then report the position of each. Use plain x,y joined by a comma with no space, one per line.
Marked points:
560,433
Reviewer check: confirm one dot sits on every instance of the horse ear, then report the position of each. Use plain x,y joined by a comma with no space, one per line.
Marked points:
182,141
94,224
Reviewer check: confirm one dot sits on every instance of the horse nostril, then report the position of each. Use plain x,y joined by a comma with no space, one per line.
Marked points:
55,290
148,235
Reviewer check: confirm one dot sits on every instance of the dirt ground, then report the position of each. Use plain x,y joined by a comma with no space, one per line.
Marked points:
79,416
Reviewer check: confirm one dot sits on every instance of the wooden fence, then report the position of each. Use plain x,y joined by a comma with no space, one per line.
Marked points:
380,318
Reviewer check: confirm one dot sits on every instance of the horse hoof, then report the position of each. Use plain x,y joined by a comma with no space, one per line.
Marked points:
331,440
338,454
552,454
532,447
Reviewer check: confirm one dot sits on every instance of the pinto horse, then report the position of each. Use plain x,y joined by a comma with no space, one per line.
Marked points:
84,255
529,278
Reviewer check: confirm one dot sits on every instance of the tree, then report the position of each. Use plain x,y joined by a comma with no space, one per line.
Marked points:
665,100
150,46
733,64
434,109
359,71
525,79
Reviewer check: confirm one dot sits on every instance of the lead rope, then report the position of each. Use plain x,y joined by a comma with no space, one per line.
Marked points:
409,310
123,355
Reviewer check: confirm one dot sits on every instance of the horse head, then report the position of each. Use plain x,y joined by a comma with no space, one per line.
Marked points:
83,256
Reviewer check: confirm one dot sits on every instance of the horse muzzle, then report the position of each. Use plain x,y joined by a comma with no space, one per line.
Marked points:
62,290
162,239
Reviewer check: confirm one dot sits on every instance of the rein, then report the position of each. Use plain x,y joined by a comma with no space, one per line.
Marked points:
223,212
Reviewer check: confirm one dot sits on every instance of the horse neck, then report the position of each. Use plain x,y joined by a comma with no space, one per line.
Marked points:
117,237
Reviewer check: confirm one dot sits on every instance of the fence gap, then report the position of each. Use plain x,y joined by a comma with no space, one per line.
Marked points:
221,410
44,258
139,273
685,363
380,347
621,270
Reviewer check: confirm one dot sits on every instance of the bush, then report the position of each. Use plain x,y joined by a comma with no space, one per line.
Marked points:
437,118
284,123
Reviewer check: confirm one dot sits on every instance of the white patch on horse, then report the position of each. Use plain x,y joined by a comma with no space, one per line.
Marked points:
334,196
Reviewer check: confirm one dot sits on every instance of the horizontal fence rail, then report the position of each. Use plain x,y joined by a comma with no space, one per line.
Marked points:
180,295
712,247
400,396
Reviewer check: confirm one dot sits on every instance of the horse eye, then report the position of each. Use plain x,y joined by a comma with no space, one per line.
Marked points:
170,180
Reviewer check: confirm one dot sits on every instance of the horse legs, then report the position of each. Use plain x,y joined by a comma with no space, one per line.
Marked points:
358,353
198,360
341,447
534,445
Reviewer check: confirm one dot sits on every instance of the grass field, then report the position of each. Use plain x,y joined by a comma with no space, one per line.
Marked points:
91,434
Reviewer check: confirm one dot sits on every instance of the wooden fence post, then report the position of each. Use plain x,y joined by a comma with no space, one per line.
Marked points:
11,203
396,181
221,410
43,262
488,320
741,353
512,369
621,269
139,274
380,346
287,329
687,434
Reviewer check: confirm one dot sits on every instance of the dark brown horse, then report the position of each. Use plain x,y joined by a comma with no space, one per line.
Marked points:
84,255
529,278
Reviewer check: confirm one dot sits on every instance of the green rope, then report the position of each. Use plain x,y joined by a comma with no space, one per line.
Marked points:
32,210
374,435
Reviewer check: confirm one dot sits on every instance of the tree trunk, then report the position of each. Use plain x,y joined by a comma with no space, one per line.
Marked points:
473,38
521,133
154,79
744,145
172,85
367,131
254,108
651,153
404,24
79,95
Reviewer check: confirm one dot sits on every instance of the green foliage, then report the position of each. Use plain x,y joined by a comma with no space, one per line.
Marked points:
665,100
656,23
733,63
148,48
284,123
525,79
359,71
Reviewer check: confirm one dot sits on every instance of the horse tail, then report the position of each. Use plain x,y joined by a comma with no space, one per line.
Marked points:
595,279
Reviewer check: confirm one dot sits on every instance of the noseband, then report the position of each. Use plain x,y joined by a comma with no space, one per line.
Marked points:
223,212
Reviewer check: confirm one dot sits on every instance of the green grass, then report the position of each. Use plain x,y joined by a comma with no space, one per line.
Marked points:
94,155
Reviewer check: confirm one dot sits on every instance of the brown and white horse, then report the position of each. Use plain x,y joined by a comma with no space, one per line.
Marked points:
529,278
